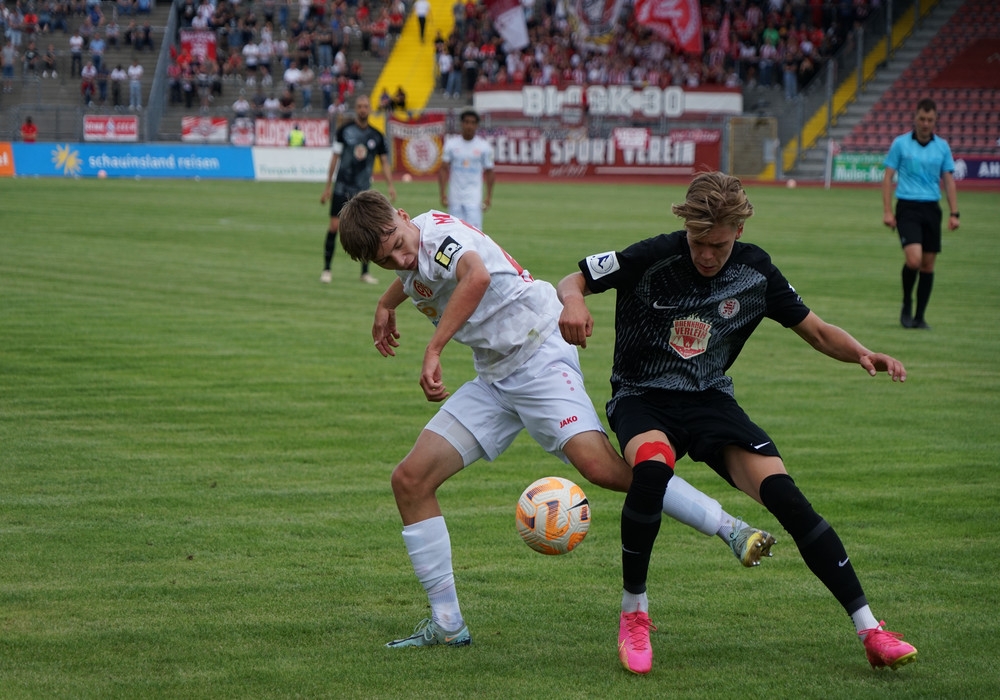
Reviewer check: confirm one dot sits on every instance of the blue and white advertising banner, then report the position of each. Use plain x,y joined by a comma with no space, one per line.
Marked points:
977,168
176,161
291,164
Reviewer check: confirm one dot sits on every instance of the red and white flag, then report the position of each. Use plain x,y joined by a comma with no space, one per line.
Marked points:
508,18
675,21
724,31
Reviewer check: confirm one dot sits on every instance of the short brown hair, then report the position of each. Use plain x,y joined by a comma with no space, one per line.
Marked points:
712,199
927,105
365,221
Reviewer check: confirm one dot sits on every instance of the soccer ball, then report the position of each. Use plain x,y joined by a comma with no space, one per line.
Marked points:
553,515
791,183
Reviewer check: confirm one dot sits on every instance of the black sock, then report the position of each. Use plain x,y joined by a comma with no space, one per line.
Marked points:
924,286
909,279
364,268
819,545
329,249
641,516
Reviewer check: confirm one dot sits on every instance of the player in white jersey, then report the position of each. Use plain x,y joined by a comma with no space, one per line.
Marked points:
528,378
466,163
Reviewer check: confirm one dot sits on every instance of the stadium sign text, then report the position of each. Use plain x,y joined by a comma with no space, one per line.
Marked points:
623,101
627,151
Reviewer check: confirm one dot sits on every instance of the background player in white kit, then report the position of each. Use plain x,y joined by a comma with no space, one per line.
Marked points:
466,163
528,378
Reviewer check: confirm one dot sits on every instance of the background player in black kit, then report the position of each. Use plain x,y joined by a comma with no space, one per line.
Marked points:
355,148
686,304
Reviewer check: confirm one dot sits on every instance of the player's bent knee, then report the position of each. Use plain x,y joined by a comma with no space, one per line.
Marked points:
654,449
408,481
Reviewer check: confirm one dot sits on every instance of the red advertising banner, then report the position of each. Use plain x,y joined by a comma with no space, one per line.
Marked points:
417,145
199,43
629,151
242,133
274,132
204,129
110,128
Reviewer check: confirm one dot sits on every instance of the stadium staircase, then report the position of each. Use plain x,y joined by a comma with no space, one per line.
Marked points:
861,109
953,70
55,104
412,64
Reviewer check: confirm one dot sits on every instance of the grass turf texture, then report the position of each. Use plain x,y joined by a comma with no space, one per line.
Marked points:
197,439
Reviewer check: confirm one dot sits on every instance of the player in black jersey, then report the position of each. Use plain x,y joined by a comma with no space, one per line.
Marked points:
355,148
686,304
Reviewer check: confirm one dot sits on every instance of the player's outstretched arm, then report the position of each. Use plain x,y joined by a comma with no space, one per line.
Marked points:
575,322
473,281
384,330
837,343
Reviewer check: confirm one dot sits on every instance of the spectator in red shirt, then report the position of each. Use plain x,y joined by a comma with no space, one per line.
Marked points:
29,132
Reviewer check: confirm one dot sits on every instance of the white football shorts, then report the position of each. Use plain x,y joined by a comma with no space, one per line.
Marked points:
545,396
468,212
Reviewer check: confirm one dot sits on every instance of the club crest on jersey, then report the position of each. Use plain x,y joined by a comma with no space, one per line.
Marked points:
729,308
602,264
422,289
446,252
689,336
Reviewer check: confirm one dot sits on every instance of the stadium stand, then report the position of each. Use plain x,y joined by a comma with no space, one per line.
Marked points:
953,70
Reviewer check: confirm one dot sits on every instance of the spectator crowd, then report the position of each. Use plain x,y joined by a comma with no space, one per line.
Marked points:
778,43
295,52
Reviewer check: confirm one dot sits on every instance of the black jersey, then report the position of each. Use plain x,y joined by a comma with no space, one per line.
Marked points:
678,330
359,148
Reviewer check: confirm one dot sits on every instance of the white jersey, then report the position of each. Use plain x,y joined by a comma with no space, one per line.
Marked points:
517,313
467,161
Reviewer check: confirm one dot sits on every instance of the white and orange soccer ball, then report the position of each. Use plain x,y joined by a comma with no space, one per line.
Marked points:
553,515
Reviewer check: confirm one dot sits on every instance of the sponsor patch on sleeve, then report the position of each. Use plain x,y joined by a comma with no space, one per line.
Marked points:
602,264
446,252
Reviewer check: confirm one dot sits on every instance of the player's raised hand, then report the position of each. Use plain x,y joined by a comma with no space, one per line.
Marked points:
384,331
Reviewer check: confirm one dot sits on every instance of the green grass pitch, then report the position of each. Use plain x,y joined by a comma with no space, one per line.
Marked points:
196,438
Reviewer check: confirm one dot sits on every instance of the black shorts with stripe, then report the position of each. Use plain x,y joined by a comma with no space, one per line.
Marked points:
699,424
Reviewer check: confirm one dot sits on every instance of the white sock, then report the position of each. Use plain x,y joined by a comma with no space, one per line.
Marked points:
864,619
635,602
728,526
686,504
429,547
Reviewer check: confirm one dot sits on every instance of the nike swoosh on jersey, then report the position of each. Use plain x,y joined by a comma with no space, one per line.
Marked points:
662,307
763,444
842,564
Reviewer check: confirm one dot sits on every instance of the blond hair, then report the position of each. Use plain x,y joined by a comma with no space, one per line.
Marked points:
712,199
365,222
